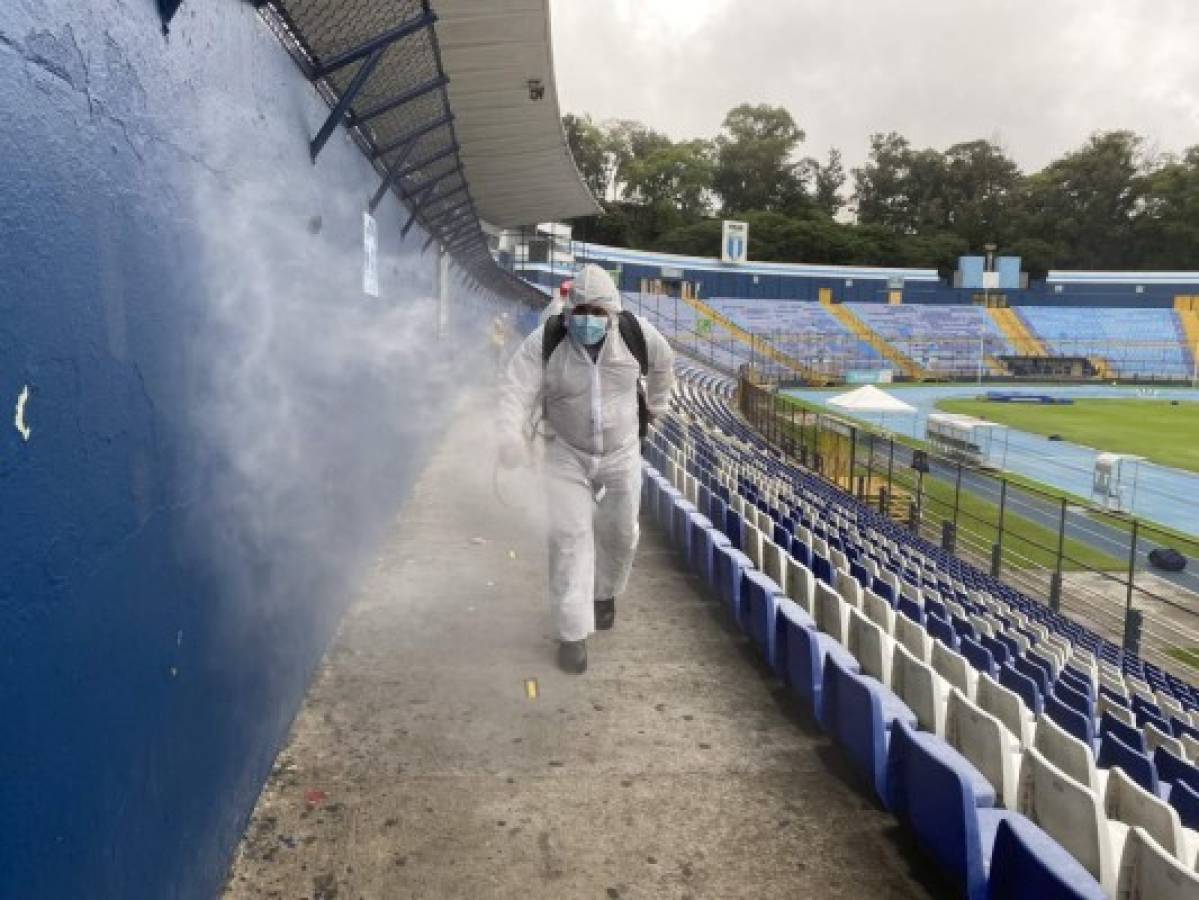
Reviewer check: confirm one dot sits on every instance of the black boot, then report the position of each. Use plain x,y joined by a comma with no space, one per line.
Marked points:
605,614
572,656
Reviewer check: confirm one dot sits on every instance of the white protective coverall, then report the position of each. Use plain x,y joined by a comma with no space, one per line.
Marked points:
592,449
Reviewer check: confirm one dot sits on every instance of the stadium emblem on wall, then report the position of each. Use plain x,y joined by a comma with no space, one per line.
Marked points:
734,244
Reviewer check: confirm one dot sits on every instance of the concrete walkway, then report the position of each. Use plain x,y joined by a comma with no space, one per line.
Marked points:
423,763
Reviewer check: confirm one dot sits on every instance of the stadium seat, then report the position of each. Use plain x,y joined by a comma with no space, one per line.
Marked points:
913,636
1155,737
1027,864
1114,753
1069,754
760,596
858,714
946,802
871,647
774,563
1071,814
1129,734
849,589
1078,724
1128,802
1185,800
986,742
806,650
1007,706
878,611
920,688
941,631
1149,871
955,669
831,613
730,564
801,584
1022,685
978,656
1174,770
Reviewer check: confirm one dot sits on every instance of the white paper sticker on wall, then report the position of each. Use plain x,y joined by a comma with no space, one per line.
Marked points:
370,261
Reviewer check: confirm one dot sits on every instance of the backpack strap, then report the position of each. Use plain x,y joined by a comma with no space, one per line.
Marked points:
634,339
552,335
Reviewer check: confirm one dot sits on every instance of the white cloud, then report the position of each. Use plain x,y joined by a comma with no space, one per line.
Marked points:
1038,74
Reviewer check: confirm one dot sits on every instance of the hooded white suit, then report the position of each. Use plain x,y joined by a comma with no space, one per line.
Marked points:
590,408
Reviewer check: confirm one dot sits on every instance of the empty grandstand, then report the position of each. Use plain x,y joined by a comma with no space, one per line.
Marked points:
1028,755
839,323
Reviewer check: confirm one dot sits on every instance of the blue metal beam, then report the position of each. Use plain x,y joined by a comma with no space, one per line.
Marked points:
425,163
398,100
417,190
344,101
381,42
401,141
444,214
396,170
418,204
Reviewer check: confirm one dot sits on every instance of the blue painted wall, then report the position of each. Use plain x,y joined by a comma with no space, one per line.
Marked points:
869,285
222,429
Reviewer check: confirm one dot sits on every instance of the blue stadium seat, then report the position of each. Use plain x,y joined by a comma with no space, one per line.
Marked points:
998,650
1031,670
1185,800
911,609
1174,770
806,652
1132,737
1022,685
1027,864
697,524
732,527
978,656
704,559
932,790
680,517
1137,766
1074,699
730,563
1071,720
858,714
939,629
759,599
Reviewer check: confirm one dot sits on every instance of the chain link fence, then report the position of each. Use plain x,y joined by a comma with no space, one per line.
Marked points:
1096,566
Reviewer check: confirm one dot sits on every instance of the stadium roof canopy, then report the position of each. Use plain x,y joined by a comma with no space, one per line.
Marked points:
498,57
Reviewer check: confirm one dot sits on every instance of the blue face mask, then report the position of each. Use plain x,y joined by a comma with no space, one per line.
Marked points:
588,330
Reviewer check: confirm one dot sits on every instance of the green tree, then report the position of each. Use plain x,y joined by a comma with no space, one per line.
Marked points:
827,180
1085,203
754,165
592,150
881,186
980,193
630,142
1167,226
675,176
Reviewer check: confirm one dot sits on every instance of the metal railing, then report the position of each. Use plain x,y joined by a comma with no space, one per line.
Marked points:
1089,563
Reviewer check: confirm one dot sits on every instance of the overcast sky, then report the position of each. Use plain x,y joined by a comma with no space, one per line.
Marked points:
1037,75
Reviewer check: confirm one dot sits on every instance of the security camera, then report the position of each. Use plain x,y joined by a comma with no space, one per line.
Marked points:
536,89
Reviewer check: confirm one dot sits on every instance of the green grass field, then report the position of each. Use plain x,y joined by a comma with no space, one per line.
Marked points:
1155,429
1027,543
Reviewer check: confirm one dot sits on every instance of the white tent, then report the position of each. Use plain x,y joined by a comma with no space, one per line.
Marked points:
869,399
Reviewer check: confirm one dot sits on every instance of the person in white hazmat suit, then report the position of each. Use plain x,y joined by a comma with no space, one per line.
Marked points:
582,401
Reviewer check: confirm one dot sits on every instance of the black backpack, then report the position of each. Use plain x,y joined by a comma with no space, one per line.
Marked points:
634,339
